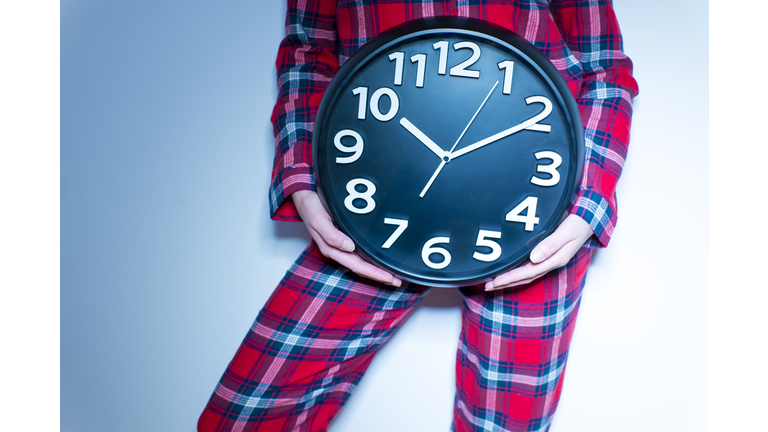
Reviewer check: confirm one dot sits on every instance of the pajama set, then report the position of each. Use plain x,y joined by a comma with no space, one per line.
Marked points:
320,329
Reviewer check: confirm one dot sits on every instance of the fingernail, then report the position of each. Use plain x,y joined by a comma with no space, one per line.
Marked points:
536,256
348,246
396,282
489,286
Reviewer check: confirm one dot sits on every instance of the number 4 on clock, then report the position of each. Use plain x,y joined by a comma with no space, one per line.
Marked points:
530,218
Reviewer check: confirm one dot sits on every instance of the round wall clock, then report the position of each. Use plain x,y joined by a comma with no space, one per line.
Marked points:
447,148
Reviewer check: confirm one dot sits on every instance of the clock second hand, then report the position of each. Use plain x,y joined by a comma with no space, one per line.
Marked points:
448,157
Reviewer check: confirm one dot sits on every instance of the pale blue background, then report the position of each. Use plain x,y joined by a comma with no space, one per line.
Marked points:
167,251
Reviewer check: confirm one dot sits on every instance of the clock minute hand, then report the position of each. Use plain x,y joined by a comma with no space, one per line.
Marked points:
490,139
404,122
531,124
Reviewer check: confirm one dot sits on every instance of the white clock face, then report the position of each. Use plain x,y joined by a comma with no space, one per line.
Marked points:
447,154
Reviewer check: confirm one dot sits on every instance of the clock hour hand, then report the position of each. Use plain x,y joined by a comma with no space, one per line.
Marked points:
531,124
423,138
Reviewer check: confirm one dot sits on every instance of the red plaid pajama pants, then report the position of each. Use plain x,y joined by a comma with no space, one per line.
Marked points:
320,329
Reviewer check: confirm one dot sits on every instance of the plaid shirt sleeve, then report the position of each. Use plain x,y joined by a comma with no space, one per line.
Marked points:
591,32
306,63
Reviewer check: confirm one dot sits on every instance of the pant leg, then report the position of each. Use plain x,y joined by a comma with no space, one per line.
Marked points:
513,349
307,349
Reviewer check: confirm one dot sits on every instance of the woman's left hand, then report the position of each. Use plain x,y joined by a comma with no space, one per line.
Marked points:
553,252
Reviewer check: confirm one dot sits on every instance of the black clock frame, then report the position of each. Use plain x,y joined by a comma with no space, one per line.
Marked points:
429,27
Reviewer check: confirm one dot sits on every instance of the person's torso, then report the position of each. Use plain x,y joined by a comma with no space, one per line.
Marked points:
360,20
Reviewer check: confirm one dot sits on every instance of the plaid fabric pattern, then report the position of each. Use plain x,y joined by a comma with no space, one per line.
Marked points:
317,334
319,331
513,349
580,37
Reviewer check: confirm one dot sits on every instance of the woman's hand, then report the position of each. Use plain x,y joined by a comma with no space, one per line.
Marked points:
333,243
553,252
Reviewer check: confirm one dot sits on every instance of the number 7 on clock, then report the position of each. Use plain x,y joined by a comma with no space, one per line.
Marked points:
402,224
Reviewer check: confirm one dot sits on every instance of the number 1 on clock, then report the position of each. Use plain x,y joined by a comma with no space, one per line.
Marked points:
507,66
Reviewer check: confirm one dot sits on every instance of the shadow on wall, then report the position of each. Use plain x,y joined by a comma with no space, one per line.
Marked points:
291,231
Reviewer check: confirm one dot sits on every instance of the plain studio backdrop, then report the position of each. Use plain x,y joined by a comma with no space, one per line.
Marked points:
168,252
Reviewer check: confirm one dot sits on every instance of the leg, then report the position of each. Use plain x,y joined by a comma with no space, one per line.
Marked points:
307,350
513,348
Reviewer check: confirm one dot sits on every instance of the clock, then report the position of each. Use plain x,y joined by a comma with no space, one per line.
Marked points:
447,148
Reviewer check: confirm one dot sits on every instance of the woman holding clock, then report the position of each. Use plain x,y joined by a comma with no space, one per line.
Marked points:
323,324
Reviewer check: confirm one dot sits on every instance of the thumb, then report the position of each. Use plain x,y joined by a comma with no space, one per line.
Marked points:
545,249
566,232
317,219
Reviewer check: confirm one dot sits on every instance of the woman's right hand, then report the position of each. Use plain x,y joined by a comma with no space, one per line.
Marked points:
333,243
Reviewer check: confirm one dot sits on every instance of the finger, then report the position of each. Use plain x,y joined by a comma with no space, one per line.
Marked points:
316,218
550,245
331,236
353,262
361,267
333,243
553,252
530,272
516,280
513,284
573,228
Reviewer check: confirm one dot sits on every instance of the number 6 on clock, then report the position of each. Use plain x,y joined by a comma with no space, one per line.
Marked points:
430,248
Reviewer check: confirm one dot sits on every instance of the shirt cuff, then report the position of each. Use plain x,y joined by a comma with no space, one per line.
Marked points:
598,211
284,183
